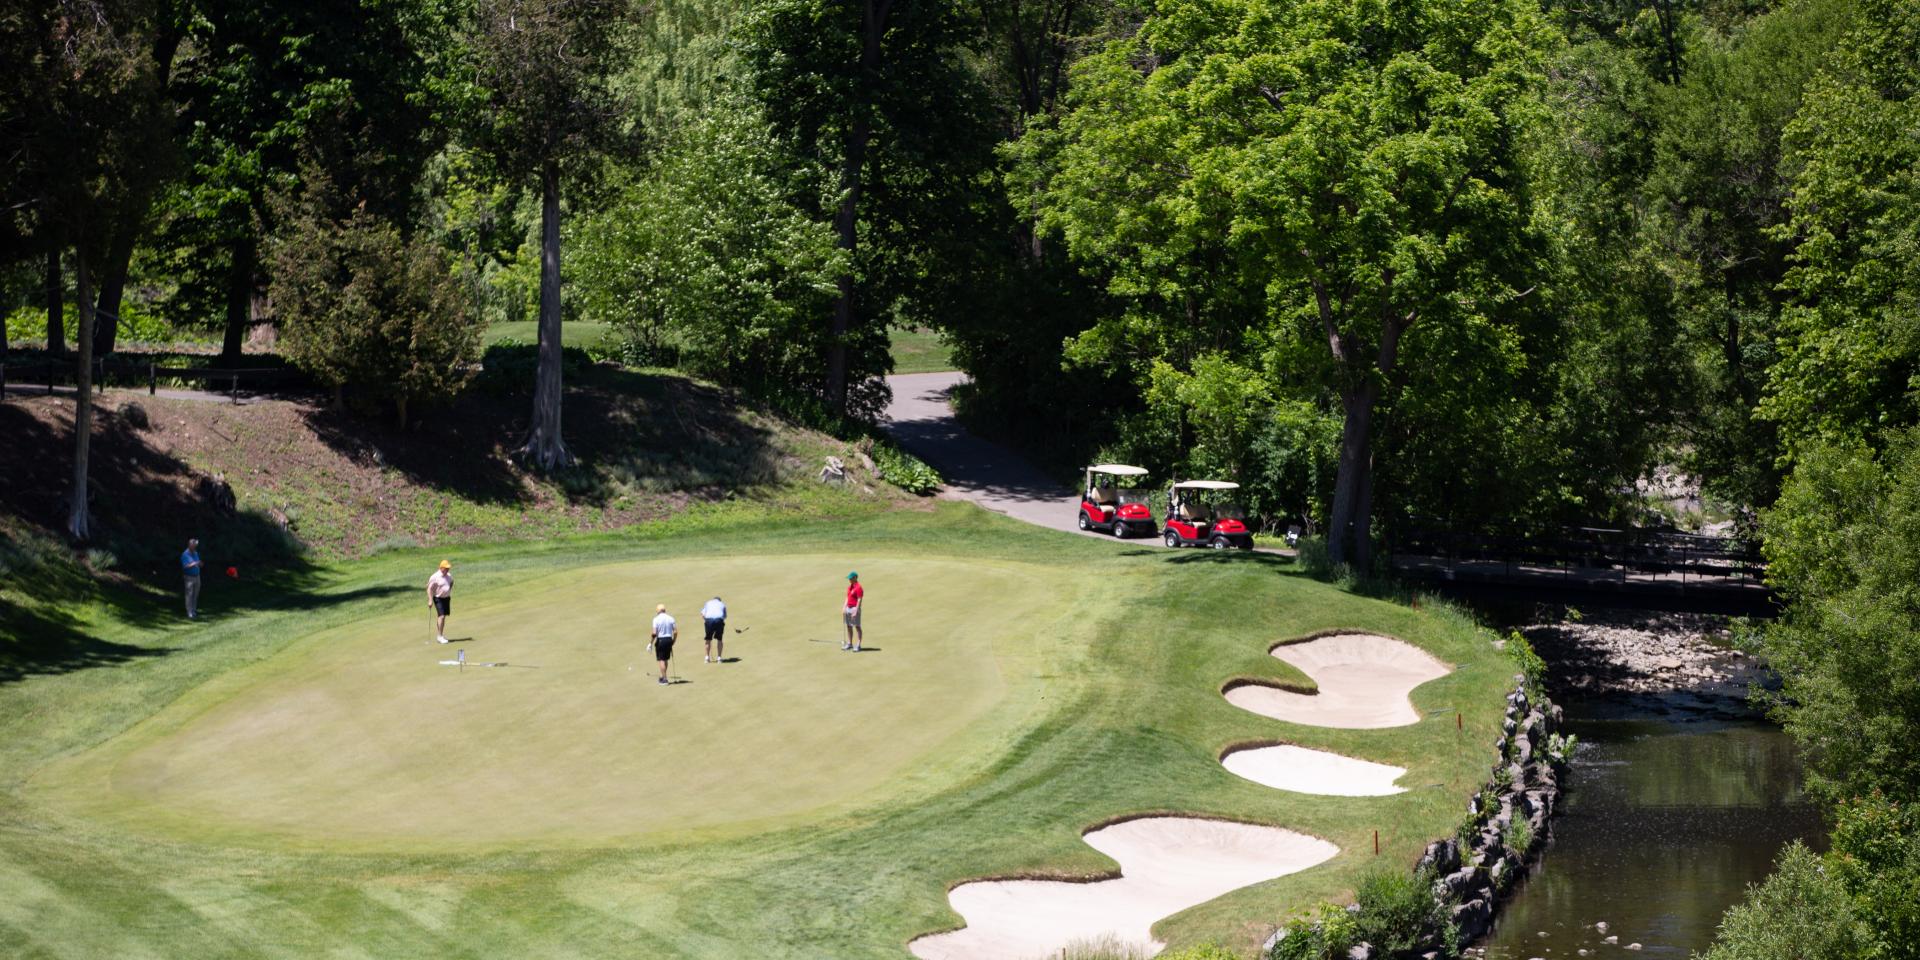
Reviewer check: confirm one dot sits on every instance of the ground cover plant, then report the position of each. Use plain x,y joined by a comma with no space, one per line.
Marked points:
799,802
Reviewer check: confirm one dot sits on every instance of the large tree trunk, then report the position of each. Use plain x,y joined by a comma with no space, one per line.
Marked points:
1349,534
873,25
113,284
79,523
56,305
239,300
544,449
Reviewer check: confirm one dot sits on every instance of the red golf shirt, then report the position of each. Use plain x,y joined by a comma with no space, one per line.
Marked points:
854,593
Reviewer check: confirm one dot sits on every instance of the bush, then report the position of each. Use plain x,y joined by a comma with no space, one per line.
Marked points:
904,470
1529,665
1800,912
507,367
1397,911
1327,936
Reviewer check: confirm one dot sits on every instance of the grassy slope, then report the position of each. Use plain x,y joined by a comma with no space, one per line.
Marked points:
919,351
577,333
1131,721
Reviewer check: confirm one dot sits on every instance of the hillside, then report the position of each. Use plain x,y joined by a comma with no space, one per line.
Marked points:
322,485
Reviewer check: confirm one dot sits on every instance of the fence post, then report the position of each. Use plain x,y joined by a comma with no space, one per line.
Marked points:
233,389
49,378
153,379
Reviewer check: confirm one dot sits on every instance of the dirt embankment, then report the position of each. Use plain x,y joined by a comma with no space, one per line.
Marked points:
293,476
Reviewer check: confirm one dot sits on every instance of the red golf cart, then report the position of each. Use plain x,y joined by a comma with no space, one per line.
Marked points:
1198,512
1107,506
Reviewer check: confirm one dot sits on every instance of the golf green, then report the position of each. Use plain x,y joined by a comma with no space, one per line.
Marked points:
358,736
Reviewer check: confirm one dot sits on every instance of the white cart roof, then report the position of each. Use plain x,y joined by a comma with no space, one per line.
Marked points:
1206,485
1118,469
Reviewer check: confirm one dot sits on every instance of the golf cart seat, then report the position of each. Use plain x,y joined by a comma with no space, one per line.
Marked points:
1104,496
1195,512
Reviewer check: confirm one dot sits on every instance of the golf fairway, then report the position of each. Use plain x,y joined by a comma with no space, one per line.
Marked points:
358,736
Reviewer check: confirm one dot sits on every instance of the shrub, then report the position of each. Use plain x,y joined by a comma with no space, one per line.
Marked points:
507,367
904,470
1801,911
1326,936
1397,910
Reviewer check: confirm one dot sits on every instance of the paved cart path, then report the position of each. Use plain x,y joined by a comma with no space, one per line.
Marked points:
982,471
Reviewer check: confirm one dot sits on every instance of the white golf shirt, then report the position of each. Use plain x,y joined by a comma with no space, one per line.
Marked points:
663,626
714,610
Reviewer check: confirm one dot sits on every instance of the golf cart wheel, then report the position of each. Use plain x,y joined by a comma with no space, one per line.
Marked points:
1218,543
1173,537
1085,524
1119,530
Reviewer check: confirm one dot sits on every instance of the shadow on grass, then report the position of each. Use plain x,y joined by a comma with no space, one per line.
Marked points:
144,503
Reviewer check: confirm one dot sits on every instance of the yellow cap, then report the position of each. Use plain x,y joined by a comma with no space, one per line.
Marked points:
662,608
446,564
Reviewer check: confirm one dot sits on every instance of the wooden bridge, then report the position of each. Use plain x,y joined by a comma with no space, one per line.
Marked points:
1594,566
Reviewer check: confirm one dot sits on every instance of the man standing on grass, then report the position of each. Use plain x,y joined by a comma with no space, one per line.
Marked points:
440,597
662,639
190,573
715,614
850,615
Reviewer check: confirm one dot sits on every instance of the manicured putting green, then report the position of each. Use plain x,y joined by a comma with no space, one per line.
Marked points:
357,736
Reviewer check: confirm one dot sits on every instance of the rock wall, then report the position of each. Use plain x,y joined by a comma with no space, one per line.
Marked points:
1509,818
1507,823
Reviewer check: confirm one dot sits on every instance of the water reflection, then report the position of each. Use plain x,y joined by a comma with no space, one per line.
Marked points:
1664,826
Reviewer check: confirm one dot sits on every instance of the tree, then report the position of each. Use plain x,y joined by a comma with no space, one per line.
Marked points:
879,91
1332,171
86,67
1843,543
261,77
703,258
364,307
543,70
1849,346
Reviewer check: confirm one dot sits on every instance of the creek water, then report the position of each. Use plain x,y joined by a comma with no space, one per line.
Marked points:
1663,825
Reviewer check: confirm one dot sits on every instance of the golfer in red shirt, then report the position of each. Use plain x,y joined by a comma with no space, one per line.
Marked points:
851,615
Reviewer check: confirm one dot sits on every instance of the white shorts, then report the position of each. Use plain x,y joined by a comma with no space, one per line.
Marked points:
851,616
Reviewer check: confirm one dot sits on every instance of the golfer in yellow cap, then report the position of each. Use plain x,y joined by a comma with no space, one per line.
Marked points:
440,597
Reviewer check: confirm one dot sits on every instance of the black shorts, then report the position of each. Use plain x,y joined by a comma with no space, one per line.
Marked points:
663,648
716,630
443,605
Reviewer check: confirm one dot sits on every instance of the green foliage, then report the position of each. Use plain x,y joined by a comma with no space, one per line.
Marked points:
507,367
904,470
1801,911
1843,542
364,308
704,260
1876,858
1529,664
1849,348
1258,183
1327,935
1398,912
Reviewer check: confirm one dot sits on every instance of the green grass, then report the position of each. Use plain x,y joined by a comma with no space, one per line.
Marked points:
572,334
386,806
919,351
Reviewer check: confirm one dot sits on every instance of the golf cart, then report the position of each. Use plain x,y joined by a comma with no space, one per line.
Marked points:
1199,513
1107,506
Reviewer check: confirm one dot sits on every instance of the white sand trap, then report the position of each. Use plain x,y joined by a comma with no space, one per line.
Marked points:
1287,767
1167,864
1364,681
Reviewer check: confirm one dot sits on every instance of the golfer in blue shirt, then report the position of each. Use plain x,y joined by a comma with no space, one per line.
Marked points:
190,572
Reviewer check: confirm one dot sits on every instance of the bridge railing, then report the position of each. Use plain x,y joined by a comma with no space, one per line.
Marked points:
1584,552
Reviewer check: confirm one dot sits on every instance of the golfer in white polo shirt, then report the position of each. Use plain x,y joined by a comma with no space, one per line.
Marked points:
715,615
662,639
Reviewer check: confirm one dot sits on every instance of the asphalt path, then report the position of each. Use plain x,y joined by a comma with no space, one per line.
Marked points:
922,421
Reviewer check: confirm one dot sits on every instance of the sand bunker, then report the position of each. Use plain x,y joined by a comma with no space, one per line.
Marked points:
1364,681
1287,767
1167,864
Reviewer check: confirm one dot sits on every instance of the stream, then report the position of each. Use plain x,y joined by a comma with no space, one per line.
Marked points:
1666,821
